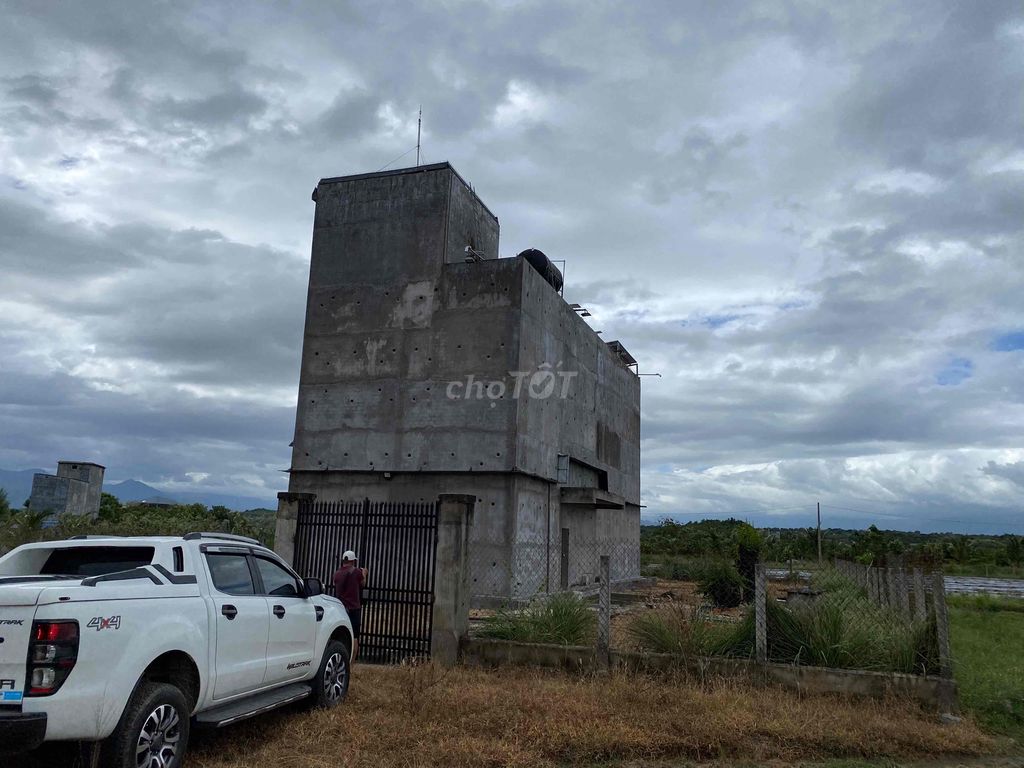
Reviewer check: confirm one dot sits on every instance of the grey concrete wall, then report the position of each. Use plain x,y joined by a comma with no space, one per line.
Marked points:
90,474
60,495
470,223
598,423
389,326
49,493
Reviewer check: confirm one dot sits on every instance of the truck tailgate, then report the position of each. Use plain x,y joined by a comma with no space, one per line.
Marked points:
17,609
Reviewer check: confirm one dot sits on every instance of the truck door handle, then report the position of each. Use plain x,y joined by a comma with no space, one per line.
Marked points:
229,610
279,611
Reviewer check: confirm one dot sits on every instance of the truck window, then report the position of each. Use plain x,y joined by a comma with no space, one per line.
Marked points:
230,573
95,561
276,580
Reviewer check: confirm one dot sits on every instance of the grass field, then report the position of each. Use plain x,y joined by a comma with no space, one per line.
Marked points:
527,717
987,636
421,716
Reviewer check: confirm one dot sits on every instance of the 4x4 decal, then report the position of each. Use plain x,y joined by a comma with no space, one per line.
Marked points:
100,622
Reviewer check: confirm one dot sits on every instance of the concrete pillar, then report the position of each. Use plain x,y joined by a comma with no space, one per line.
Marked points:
287,521
450,624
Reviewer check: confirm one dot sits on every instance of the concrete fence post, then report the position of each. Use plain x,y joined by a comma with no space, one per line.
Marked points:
286,523
920,596
760,613
942,625
450,621
892,600
604,614
904,592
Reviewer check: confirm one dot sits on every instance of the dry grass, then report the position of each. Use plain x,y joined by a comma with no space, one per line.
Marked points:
419,716
525,717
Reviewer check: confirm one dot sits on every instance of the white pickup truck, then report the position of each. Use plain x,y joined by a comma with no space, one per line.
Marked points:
124,644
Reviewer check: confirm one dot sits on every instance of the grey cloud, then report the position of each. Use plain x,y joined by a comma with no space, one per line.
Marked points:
351,115
32,89
229,106
1013,472
799,215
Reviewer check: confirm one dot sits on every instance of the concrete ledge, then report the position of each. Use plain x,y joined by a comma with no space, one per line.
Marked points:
287,497
935,693
495,653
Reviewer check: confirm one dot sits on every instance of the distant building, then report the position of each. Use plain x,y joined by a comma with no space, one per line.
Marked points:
154,503
75,489
431,366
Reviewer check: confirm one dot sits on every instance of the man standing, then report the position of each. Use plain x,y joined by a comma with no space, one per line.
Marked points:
348,587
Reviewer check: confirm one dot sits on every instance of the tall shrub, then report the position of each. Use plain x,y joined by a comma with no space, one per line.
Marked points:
722,584
748,551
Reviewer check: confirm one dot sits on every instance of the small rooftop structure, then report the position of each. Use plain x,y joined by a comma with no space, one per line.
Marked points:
76,489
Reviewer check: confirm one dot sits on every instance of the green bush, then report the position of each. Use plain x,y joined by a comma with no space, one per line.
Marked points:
687,632
844,629
23,526
722,584
563,619
748,551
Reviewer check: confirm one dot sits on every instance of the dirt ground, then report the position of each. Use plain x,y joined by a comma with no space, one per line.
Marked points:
661,593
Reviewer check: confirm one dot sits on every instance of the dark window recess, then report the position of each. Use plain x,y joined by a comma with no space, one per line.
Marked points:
276,580
179,560
231,574
95,561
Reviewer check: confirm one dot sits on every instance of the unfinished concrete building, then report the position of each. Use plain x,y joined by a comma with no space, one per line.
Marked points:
430,366
76,489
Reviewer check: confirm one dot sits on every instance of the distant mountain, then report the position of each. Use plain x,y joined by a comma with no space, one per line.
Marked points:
133,490
18,484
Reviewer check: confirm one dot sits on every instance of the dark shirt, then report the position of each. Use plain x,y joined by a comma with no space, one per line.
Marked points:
348,583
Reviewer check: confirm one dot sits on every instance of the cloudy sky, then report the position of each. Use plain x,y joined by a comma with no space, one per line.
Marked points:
809,218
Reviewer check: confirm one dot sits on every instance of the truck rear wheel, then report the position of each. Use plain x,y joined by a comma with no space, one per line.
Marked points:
153,732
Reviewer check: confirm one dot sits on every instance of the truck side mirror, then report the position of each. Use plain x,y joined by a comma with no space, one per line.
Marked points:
314,587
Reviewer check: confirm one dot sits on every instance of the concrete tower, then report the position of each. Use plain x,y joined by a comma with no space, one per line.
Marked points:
426,366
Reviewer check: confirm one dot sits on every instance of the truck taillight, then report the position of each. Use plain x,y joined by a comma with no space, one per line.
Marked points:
52,654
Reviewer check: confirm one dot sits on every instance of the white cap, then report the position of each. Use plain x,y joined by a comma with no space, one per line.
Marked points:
349,555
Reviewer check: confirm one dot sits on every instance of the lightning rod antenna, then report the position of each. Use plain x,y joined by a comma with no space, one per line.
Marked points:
419,125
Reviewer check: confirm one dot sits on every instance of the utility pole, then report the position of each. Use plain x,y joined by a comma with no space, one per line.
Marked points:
819,533
419,125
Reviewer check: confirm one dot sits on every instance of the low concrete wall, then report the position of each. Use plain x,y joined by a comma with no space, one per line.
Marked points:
935,693
495,653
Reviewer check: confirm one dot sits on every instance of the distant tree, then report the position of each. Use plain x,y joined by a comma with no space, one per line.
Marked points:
21,527
1014,550
748,551
5,506
110,507
962,549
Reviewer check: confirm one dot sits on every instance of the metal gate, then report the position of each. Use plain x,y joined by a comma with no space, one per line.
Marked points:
397,543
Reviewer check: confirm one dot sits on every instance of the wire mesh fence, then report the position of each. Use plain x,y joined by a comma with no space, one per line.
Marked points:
852,617
841,616
518,572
